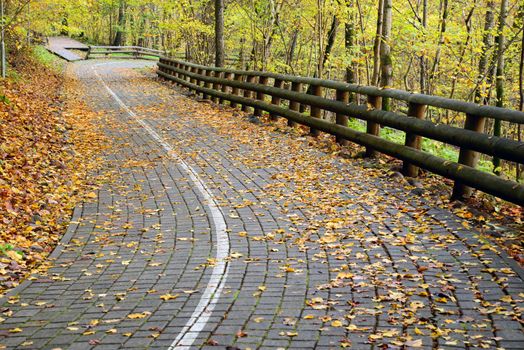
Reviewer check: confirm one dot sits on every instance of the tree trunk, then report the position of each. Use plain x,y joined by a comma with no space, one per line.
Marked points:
443,28
119,36
320,37
386,79
350,48
332,34
292,48
521,91
219,33
377,44
422,58
501,42
489,24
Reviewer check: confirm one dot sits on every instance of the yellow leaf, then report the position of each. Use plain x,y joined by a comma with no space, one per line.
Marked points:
344,275
91,195
414,343
15,330
168,296
111,331
139,315
14,255
506,299
337,323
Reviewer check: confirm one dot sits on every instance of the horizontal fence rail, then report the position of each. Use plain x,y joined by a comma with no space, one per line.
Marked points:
134,51
266,91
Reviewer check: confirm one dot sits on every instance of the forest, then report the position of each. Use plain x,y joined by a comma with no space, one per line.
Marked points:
469,50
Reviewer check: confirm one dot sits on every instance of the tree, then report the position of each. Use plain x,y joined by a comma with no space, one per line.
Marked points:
219,33
119,37
386,79
349,44
377,44
501,43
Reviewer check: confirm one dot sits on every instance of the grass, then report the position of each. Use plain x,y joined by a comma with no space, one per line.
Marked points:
435,148
48,59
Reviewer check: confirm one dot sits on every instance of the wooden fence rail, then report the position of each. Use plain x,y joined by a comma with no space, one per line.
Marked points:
134,51
256,90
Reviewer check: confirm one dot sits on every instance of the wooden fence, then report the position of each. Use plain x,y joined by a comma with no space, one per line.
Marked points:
125,51
268,92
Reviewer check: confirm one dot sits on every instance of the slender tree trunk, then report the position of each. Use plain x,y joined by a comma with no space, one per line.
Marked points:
110,28
377,44
386,79
489,24
241,54
521,91
119,36
292,48
422,58
463,51
320,37
350,48
501,43
332,34
219,33
443,28
274,24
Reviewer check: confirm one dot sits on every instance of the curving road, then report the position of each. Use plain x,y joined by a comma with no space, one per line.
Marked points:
200,239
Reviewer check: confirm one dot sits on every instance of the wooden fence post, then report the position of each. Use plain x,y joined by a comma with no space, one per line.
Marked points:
373,128
342,119
294,105
315,111
248,93
176,74
227,76
186,70
191,79
260,95
207,84
468,157
236,90
276,100
183,67
216,86
200,71
417,111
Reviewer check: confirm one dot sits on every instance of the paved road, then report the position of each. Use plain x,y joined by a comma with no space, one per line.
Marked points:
209,236
61,47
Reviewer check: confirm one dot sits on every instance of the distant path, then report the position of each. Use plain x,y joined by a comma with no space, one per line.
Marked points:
319,253
61,47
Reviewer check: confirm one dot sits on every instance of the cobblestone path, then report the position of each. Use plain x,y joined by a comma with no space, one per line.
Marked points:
200,240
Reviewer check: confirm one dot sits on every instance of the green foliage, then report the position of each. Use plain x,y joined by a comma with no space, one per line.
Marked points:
44,56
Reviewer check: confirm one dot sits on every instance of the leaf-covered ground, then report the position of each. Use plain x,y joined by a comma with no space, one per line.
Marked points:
47,149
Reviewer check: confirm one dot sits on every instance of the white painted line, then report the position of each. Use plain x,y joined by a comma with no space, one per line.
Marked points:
216,283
